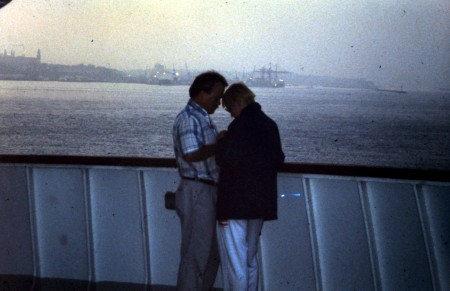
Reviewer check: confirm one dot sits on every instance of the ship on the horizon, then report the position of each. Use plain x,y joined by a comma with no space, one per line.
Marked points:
160,75
266,78
401,91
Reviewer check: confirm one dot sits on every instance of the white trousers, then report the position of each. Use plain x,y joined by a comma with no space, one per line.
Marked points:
238,246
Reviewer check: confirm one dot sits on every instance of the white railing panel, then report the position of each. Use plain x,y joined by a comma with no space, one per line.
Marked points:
340,232
117,230
437,217
16,250
60,221
399,241
286,251
163,226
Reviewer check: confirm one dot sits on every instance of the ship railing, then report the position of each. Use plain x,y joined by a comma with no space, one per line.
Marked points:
90,223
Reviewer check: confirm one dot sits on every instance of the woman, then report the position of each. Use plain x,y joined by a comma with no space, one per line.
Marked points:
249,155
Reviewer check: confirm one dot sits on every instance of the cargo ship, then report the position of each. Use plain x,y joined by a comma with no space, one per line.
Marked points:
266,78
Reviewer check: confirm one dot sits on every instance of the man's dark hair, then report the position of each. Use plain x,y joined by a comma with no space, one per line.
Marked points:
205,82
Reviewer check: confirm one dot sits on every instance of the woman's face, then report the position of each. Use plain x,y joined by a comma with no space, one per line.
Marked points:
235,108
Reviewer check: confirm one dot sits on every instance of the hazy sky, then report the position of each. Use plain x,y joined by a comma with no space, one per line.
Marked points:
391,42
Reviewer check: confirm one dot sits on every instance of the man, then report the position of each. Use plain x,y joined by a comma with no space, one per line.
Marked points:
195,136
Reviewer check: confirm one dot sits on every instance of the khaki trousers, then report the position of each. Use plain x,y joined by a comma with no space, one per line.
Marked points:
199,254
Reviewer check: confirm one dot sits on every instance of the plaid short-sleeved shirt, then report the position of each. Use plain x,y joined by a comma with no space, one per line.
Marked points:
193,129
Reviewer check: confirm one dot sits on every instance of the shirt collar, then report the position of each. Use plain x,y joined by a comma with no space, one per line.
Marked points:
197,107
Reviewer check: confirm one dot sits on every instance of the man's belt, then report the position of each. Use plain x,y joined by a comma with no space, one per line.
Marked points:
209,182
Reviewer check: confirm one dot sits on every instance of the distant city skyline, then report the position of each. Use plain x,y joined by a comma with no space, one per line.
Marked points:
396,45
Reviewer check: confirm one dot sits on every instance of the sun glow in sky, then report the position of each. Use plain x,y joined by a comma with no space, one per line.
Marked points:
404,43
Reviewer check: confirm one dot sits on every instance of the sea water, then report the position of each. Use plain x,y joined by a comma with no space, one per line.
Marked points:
317,125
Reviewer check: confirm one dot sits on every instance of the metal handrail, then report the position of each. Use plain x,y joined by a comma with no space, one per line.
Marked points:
298,168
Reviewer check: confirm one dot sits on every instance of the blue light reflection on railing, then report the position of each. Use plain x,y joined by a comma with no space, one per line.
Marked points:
290,195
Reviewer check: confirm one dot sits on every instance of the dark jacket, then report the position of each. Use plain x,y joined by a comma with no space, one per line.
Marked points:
249,157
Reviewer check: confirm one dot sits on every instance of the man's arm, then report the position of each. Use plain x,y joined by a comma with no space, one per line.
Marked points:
202,154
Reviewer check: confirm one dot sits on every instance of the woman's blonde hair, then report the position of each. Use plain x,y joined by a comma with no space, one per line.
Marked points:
238,92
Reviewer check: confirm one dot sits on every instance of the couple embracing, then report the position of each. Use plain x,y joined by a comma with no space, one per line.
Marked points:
228,185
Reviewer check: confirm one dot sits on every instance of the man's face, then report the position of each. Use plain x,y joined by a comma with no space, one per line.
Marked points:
210,101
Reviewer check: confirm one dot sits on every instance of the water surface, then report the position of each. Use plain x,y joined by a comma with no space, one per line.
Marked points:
317,125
